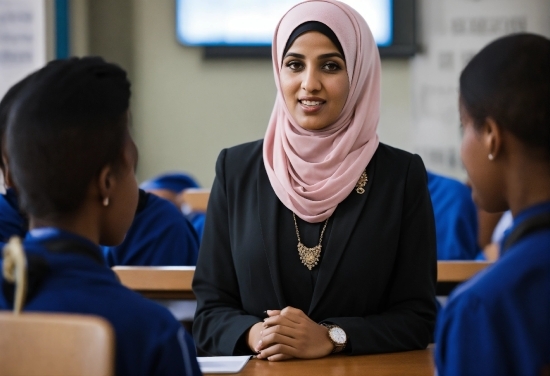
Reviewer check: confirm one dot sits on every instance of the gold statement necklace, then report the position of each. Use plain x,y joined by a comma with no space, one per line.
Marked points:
310,256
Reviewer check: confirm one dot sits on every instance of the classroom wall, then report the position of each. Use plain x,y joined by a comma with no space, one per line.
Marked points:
186,109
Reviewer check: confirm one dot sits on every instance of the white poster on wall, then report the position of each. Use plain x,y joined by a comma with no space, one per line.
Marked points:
451,32
22,40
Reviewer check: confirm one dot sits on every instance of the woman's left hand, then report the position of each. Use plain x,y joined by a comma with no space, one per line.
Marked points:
290,333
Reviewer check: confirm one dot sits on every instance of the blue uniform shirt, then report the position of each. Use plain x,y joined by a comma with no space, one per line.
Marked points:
498,323
149,340
11,220
197,220
159,236
456,222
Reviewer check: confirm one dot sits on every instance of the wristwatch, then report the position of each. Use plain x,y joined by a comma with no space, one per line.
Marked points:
337,336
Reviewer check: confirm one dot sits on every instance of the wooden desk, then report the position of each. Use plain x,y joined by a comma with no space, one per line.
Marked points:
158,282
452,273
410,363
174,282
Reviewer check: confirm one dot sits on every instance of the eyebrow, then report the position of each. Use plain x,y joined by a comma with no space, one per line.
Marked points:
320,57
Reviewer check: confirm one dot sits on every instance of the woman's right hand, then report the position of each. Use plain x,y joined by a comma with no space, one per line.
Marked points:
254,336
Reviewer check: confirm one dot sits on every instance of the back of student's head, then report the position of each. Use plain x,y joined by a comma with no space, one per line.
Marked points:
5,106
509,81
68,121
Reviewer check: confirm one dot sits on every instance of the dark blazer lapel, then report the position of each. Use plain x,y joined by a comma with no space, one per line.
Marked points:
344,218
267,212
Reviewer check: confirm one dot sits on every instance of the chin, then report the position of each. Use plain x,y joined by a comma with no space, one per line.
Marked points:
111,241
312,126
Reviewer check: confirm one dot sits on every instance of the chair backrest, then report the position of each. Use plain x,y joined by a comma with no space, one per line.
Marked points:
196,199
55,344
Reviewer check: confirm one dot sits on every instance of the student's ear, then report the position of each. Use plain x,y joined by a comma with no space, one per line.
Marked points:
493,138
106,184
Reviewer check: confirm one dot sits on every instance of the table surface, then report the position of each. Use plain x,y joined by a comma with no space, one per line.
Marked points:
412,363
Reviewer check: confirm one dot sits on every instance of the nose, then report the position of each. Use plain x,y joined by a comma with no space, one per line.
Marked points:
311,81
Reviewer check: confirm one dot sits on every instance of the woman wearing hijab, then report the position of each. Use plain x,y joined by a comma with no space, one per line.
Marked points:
318,238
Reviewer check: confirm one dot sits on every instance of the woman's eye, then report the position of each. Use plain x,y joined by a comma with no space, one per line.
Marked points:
294,65
331,66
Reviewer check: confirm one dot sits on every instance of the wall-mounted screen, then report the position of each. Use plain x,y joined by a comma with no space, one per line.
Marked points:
252,22
246,27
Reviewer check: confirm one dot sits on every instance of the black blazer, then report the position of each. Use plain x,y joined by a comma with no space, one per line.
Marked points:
376,279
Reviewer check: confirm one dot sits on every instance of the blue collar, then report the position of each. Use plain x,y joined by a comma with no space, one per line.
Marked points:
60,241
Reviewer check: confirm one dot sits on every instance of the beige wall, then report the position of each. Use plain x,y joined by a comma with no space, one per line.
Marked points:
186,109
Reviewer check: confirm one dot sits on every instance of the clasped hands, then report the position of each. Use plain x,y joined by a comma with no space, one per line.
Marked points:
289,333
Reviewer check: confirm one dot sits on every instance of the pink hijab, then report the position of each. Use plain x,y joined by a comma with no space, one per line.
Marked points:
311,172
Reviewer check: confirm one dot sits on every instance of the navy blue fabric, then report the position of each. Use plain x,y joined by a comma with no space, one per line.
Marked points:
174,181
456,222
197,220
149,340
11,220
159,236
498,323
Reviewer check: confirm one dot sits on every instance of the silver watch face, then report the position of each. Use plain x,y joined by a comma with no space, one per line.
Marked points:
338,335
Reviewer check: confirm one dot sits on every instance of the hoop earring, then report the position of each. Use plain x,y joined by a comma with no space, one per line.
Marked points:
491,157
106,201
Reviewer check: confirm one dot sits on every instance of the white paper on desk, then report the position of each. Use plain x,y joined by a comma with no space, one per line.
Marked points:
222,364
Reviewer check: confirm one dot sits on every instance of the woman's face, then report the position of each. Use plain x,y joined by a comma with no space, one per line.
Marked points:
314,81
482,172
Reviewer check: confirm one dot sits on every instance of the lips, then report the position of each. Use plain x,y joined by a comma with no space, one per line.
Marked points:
311,103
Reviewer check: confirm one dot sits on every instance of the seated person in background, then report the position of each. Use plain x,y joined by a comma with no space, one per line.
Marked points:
159,236
498,323
491,251
170,186
12,221
72,160
455,218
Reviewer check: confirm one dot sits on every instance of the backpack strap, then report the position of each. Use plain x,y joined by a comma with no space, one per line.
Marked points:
533,224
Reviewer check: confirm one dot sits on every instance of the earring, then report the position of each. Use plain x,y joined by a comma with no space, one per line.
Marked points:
491,157
106,201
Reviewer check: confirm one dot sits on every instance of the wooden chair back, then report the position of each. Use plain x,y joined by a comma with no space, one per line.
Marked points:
55,344
196,199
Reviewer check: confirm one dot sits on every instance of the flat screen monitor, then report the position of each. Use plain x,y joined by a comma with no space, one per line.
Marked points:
240,28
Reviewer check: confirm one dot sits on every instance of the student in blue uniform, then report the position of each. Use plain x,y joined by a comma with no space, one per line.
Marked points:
455,218
12,221
498,323
170,186
159,236
72,161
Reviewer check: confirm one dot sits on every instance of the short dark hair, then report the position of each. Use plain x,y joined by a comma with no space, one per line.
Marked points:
5,106
66,124
509,81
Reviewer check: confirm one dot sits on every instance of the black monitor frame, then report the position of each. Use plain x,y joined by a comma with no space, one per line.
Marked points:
404,44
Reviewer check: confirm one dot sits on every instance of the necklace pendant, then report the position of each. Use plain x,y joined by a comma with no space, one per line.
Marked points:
309,256
360,186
